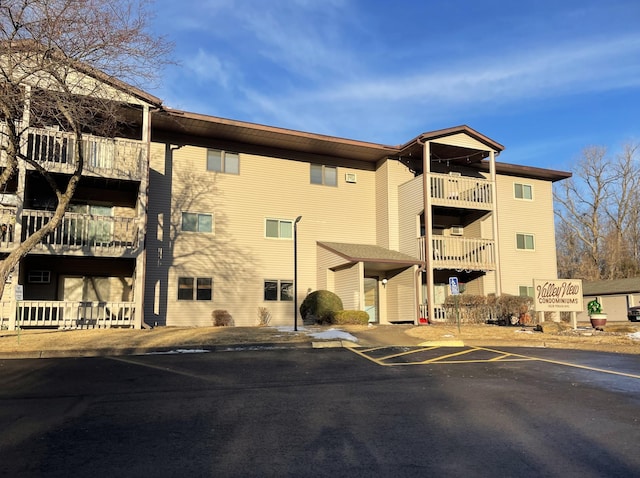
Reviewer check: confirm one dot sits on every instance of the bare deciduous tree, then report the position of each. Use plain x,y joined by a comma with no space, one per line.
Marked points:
598,211
63,64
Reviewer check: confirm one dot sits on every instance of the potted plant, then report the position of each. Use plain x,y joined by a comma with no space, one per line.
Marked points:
597,317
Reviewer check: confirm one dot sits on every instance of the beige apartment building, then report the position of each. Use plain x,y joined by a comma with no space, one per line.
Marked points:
230,202
180,214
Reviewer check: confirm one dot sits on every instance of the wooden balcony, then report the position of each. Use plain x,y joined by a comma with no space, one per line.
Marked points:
460,253
103,157
461,192
84,234
70,314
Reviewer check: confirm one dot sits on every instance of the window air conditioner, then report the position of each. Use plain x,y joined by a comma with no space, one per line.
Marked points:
457,230
350,177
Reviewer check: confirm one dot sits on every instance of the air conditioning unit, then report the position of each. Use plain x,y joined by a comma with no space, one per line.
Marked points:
350,177
457,230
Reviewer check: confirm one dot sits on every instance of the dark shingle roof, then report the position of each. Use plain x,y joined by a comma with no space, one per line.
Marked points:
607,287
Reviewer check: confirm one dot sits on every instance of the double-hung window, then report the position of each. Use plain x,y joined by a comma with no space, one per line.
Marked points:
195,288
525,242
197,222
321,174
523,191
222,161
281,290
279,228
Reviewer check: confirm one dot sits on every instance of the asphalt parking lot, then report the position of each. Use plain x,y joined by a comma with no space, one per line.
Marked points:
322,412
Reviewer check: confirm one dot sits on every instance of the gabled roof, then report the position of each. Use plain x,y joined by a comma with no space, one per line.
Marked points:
32,46
441,133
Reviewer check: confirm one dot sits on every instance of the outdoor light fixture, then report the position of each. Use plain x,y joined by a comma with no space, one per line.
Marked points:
295,273
384,282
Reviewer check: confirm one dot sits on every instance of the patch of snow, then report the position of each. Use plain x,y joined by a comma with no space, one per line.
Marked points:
447,335
180,351
333,334
635,335
524,331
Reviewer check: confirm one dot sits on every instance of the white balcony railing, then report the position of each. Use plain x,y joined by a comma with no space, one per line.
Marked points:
104,157
461,191
7,227
73,314
100,235
460,253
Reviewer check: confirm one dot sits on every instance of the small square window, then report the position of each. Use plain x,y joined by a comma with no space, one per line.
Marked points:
327,175
195,222
223,161
525,241
523,191
203,289
279,228
278,290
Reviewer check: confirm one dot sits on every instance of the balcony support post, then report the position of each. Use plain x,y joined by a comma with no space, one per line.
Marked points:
494,222
428,226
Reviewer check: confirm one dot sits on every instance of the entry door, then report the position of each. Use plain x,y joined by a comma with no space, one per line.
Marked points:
371,298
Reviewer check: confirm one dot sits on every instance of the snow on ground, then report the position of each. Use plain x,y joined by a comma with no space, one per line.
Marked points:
635,335
331,334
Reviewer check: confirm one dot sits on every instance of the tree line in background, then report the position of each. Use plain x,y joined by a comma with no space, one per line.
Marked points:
598,216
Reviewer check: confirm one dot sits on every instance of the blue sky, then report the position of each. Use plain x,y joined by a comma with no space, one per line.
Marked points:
545,78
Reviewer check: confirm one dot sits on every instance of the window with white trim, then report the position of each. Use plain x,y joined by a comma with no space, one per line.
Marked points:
222,161
523,191
195,288
279,228
321,174
280,290
525,291
197,222
525,242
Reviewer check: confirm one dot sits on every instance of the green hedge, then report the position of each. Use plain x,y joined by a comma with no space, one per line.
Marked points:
351,317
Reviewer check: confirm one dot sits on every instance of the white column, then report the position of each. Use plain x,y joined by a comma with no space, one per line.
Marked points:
428,226
494,221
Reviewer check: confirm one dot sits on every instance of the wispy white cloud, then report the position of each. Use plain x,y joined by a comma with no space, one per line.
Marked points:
207,67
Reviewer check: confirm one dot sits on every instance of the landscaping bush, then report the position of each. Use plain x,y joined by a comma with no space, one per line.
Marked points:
221,318
320,307
351,317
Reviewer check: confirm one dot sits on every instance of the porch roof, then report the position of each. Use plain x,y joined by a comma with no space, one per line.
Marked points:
370,254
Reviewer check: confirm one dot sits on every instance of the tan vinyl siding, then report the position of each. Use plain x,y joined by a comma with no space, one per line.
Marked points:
410,206
390,175
349,286
401,297
239,256
520,267
462,140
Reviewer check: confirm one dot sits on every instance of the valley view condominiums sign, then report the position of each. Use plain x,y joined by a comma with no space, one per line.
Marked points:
558,295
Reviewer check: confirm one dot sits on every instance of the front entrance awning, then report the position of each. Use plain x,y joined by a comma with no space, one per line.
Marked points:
374,257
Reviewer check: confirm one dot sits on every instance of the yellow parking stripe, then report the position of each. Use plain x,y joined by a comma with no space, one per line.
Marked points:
568,364
501,357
